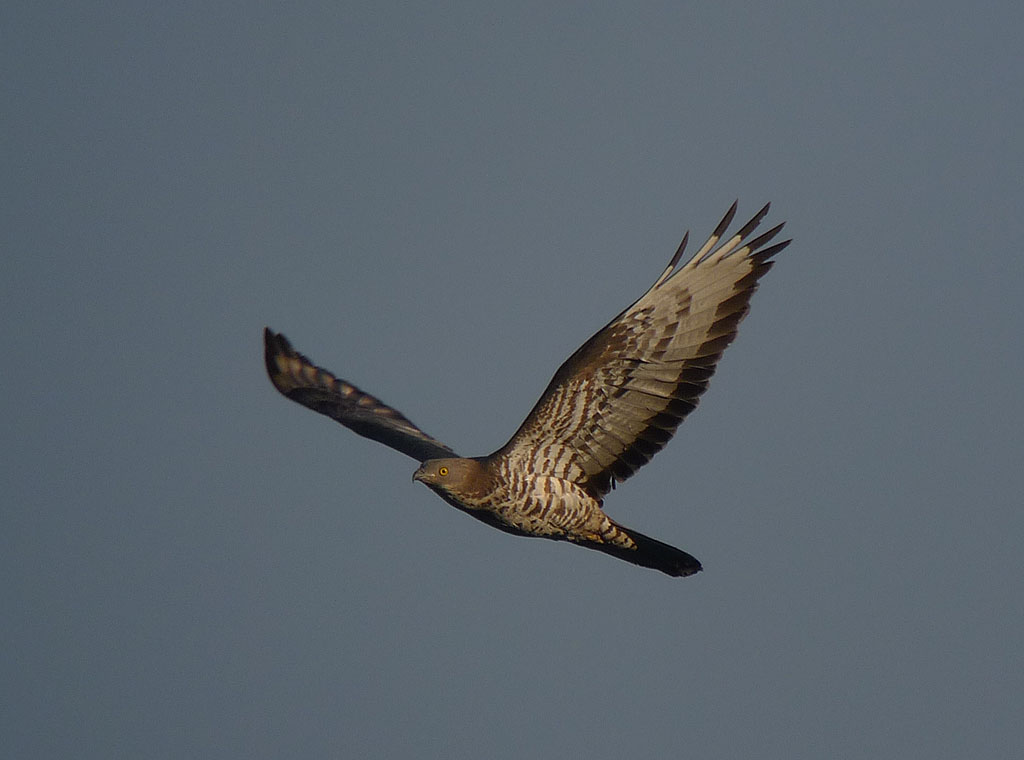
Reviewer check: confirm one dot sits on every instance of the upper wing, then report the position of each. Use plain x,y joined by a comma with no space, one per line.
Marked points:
302,381
619,398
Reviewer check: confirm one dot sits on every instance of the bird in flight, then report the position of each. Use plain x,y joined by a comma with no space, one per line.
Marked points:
608,409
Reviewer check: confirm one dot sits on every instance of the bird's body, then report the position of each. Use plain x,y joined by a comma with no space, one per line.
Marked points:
523,503
494,491
609,408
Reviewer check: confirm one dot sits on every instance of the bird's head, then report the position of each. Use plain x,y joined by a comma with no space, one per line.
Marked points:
446,474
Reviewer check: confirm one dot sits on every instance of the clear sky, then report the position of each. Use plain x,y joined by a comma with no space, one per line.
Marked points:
440,202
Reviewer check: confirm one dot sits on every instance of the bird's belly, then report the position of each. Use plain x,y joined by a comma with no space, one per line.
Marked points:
550,507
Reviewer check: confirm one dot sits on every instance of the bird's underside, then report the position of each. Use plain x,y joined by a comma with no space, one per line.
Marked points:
608,409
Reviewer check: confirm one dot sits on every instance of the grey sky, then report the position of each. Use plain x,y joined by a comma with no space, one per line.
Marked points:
440,206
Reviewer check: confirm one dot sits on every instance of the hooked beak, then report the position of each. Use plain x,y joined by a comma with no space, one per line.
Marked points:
419,475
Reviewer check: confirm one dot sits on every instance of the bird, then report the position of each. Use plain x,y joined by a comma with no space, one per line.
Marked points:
611,406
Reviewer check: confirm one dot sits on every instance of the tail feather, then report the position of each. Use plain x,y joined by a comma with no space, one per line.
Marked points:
650,552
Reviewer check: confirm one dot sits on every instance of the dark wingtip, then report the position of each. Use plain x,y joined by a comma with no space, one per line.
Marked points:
269,337
275,345
276,341
726,220
767,253
750,226
679,251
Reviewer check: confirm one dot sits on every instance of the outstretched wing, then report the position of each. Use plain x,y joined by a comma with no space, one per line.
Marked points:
302,381
620,397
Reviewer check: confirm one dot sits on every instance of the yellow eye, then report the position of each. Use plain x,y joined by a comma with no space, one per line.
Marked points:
442,471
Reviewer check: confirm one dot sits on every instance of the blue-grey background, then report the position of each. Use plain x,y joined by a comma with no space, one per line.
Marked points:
440,202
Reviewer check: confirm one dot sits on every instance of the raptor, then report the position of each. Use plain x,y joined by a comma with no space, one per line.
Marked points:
608,409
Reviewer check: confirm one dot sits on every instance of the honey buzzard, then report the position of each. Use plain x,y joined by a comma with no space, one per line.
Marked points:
608,409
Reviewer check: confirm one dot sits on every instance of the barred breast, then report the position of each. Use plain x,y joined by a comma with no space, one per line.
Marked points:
552,507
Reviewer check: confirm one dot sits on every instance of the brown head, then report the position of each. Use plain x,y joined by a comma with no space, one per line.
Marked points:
454,475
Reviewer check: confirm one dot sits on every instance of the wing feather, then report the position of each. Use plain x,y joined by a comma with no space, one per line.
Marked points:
299,379
619,398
